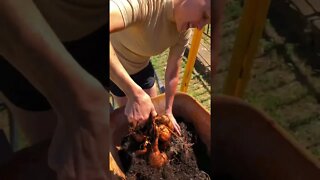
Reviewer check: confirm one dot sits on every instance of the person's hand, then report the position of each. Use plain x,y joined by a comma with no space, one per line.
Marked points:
79,148
174,122
139,108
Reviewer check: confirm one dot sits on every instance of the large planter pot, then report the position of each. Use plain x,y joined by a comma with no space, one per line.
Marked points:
184,107
247,144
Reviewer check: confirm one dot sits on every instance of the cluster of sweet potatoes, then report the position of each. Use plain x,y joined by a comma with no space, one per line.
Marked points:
156,131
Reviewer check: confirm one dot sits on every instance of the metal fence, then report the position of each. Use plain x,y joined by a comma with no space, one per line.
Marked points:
207,30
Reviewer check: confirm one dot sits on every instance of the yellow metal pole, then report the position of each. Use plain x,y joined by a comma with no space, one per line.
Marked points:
248,36
191,59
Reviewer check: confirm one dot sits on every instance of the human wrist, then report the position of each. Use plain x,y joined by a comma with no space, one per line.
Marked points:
135,92
168,110
169,101
84,96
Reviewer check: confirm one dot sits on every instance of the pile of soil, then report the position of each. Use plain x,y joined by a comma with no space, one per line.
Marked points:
185,156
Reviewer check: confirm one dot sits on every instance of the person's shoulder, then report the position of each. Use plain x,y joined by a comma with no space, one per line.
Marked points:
131,10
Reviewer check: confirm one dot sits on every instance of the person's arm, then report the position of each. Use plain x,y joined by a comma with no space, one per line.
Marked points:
79,148
139,105
171,83
172,74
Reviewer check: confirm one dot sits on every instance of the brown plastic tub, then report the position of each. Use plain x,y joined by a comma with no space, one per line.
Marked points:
247,144
185,108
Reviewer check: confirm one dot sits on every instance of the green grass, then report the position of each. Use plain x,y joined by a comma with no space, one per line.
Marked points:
233,10
198,87
275,87
206,37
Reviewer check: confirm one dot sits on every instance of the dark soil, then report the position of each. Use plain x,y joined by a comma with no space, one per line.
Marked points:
187,159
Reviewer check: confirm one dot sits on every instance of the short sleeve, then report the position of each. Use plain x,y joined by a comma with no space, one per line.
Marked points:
131,10
180,46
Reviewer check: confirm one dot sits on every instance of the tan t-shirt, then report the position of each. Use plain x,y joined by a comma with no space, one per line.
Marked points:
73,19
149,30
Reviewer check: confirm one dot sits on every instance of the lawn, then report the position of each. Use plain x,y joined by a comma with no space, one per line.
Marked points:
282,84
198,88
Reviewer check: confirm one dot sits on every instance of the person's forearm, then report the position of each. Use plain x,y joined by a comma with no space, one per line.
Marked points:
171,82
78,99
171,86
139,106
33,48
120,76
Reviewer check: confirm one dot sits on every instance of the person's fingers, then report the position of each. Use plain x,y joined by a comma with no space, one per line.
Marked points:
178,131
153,112
134,124
131,119
177,128
141,122
138,124
145,117
129,115
175,124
